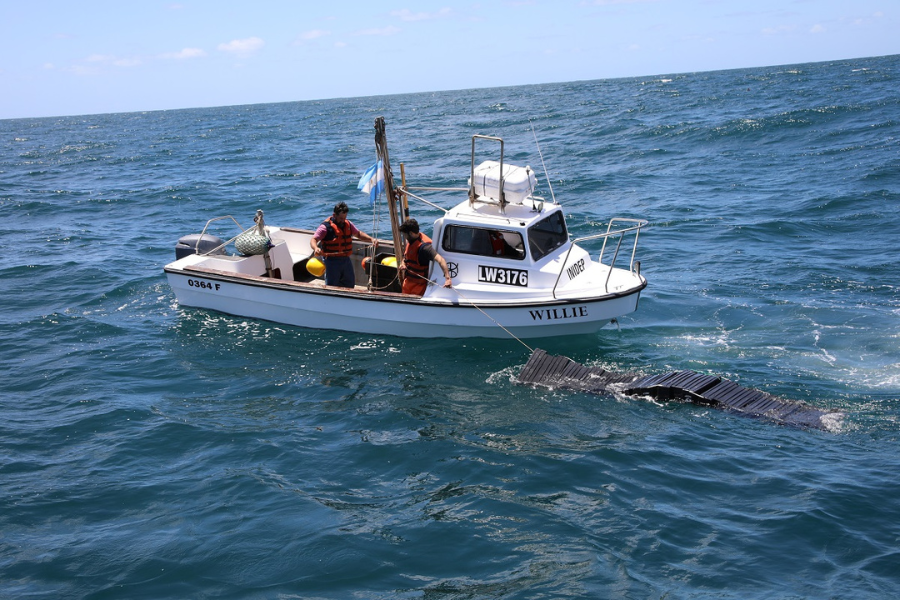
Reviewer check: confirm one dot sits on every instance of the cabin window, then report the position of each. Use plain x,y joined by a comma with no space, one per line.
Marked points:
483,242
547,235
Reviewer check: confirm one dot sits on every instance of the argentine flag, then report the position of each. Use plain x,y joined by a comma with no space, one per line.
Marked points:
372,182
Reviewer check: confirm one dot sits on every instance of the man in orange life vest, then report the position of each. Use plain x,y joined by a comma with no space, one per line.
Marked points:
416,258
499,245
336,236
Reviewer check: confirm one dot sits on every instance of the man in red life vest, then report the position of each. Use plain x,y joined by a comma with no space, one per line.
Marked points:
333,240
416,258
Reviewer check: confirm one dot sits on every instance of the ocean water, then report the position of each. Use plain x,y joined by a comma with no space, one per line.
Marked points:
149,451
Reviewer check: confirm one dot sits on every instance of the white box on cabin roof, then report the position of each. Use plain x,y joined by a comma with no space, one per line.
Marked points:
518,182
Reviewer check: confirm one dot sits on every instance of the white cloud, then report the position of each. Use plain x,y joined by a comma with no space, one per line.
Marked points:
127,62
408,15
862,21
817,29
243,47
390,30
184,54
83,70
116,61
314,34
611,2
778,30
310,36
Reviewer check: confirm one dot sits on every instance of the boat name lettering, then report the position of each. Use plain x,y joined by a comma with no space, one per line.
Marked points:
204,284
552,314
504,276
576,269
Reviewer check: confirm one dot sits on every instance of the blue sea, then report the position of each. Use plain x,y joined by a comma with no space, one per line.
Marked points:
151,451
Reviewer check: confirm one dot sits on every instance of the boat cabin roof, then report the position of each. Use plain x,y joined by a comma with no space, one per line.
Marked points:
513,216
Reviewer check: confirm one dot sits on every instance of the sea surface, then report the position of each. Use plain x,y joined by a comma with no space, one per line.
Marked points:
150,451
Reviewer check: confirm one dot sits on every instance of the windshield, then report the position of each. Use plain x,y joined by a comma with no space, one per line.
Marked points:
547,235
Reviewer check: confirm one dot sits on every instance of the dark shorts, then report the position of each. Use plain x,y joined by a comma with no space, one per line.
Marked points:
339,272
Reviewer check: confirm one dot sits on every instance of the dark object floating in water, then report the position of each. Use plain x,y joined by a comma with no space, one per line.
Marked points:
707,390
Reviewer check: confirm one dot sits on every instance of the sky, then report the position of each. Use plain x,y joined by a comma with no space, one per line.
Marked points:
78,57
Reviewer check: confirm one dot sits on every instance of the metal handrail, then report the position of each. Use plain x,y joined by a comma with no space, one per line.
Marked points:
419,188
502,199
406,190
640,224
220,246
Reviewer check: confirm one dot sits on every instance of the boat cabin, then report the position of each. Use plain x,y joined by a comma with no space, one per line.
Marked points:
487,246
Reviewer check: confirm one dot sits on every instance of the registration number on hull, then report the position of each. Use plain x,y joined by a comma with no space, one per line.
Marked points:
204,285
503,276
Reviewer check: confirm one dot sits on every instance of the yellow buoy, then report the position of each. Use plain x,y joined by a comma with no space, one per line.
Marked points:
315,267
389,261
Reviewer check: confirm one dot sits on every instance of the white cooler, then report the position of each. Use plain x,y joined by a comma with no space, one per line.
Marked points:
518,182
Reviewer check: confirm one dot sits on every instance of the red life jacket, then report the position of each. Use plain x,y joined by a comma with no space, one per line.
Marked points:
497,243
338,241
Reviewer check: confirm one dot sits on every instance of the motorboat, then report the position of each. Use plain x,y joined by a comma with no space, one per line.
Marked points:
515,270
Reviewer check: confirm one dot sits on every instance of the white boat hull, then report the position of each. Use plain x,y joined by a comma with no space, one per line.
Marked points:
362,311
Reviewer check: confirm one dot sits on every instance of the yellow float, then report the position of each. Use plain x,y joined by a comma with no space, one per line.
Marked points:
315,267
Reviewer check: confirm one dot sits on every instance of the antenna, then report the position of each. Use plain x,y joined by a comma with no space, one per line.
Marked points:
541,154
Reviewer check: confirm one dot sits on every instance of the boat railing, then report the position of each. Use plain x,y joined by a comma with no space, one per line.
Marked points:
409,189
501,199
623,227
220,246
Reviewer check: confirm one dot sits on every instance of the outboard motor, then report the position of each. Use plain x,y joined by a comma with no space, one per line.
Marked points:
199,243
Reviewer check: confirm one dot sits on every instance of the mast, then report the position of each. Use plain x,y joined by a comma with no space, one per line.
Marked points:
393,195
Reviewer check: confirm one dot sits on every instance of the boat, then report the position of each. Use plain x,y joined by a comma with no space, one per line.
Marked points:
514,269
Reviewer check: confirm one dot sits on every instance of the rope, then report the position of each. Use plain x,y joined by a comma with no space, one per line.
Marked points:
372,286
372,250
430,282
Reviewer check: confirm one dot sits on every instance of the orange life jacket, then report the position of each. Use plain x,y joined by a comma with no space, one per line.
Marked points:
411,256
338,241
